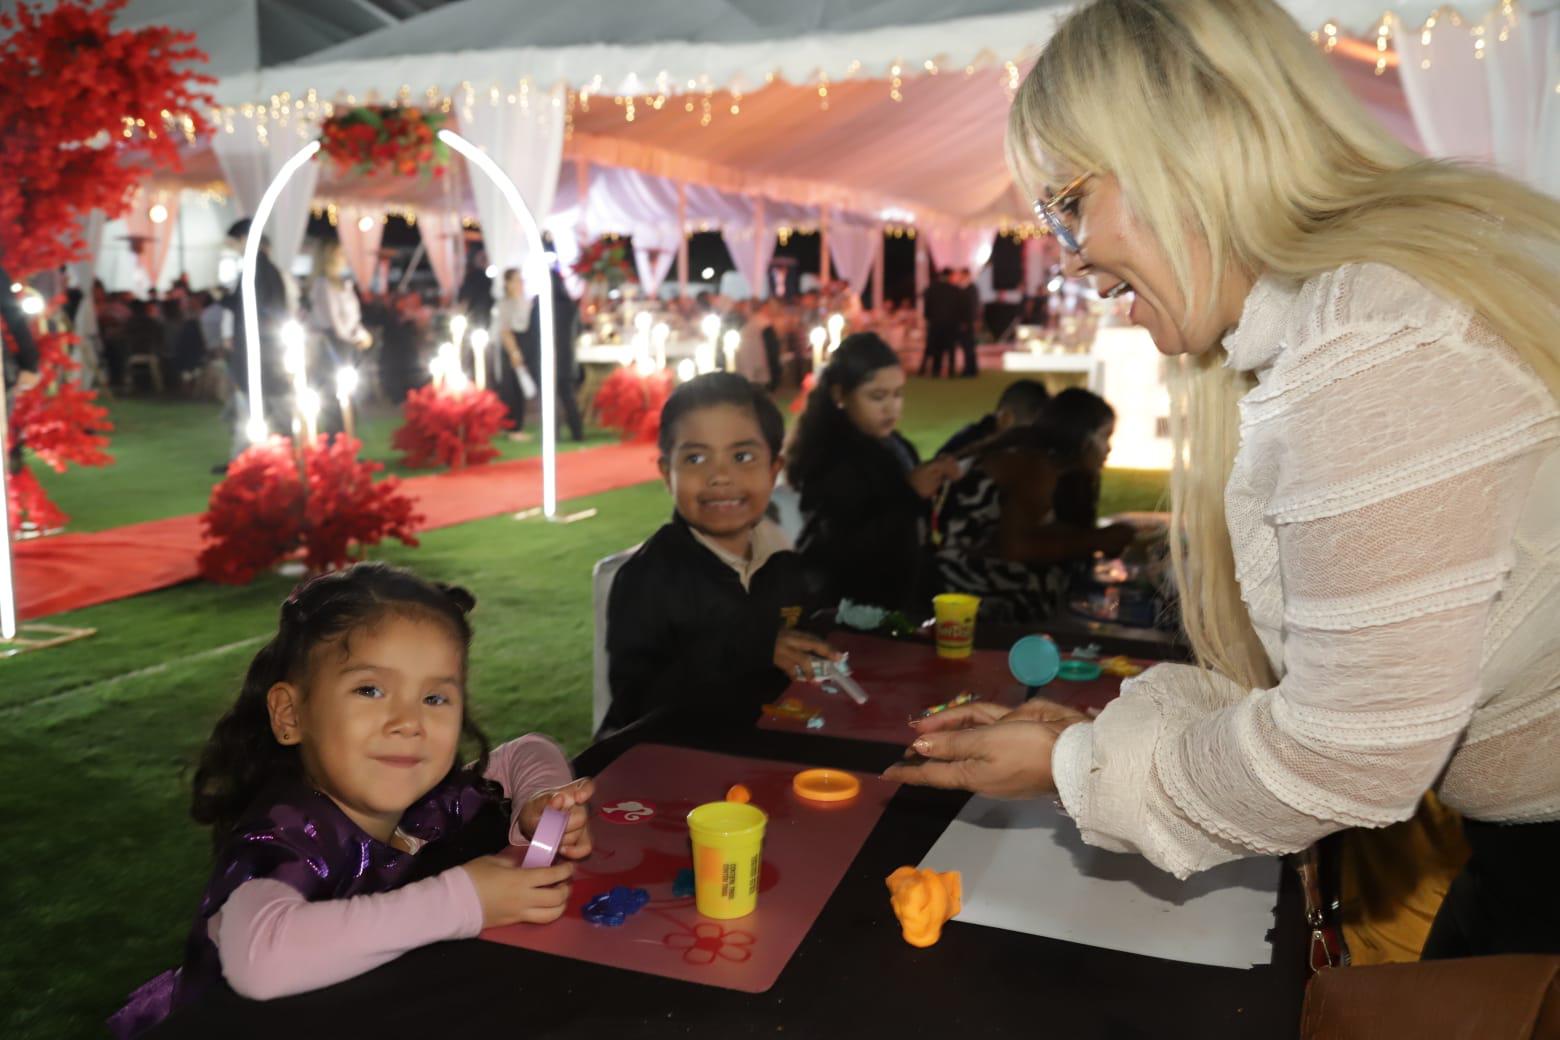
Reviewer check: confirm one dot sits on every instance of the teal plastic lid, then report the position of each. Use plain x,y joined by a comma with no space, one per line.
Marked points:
1078,671
1034,660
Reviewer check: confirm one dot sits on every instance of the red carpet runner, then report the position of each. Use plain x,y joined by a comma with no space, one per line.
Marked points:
69,571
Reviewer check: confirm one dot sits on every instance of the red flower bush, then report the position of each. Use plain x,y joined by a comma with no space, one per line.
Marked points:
630,403
26,500
58,421
450,428
87,112
262,513
365,140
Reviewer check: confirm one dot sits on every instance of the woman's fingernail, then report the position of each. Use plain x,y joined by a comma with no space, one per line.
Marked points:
922,746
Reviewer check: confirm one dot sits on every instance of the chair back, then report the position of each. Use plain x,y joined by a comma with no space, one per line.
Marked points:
601,577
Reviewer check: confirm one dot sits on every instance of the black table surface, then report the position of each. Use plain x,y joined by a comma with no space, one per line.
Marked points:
852,976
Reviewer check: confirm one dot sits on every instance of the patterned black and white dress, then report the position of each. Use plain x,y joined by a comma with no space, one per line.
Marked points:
967,560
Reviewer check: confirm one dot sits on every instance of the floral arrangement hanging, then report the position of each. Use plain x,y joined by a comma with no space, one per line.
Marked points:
449,427
606,262
630,402
87,110
402,139
262,513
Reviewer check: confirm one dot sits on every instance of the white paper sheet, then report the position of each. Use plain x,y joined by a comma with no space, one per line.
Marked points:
1026,869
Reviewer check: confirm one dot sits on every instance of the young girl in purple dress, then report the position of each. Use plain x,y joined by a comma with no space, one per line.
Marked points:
345,830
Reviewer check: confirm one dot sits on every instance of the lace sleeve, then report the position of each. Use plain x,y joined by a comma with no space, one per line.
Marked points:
1393,516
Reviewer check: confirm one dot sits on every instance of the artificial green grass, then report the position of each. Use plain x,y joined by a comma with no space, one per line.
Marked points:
95,735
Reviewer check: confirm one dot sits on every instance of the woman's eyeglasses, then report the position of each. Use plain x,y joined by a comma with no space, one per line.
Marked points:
1050,214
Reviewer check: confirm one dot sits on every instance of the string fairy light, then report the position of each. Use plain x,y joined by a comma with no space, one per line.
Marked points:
284,113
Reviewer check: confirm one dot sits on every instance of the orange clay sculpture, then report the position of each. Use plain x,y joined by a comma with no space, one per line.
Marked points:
739,793
923,900
1120,666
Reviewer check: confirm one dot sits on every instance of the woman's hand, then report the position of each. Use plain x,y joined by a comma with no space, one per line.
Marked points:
929,476
510,894
988,750
573,799
795,651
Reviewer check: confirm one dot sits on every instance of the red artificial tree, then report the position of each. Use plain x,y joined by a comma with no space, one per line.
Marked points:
453,428
263,513
86,111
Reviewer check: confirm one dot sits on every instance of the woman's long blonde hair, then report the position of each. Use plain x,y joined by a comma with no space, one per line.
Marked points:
1225,125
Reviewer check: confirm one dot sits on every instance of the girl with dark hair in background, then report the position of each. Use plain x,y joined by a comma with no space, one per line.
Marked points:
864,491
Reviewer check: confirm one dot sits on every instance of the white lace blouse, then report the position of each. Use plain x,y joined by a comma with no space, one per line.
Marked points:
1395,515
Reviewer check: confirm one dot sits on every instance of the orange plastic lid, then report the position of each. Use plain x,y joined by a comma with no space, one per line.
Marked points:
825,785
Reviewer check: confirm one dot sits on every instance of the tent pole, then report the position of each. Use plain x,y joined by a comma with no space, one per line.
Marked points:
761,290
682,240
823,248
877,271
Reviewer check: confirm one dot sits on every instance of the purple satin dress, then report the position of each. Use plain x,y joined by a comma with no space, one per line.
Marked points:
300,837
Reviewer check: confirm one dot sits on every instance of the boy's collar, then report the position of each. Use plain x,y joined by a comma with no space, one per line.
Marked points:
766,539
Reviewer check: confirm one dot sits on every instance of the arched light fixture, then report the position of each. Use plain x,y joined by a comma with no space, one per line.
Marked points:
246,284
541,278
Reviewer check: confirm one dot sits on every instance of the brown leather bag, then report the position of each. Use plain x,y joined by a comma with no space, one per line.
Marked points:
1514,997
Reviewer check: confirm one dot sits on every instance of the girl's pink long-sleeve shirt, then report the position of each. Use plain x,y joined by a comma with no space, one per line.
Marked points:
274,943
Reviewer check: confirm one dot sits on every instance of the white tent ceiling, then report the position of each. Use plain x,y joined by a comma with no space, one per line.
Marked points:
740,83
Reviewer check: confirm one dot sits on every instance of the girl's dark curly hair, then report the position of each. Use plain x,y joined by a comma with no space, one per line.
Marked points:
243,756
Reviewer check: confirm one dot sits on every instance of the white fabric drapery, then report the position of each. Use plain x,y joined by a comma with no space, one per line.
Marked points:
655,250
1040,256
523,134
83,268
1502,109
958,247
82,272
360,231
751,249
443,242
249,163
853,248
154,238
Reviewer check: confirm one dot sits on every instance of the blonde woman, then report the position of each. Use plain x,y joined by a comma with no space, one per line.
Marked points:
1367,485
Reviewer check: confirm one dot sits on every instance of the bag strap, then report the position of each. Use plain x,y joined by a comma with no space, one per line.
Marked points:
1319,888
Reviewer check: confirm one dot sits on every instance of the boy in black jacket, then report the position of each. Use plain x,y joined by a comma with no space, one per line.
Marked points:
702,620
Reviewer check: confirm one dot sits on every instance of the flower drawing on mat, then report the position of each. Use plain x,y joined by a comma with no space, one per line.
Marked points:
707,941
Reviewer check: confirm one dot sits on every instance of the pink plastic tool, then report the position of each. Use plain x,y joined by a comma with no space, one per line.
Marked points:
546,840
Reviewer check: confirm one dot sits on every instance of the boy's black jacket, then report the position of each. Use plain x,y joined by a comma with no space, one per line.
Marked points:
684,636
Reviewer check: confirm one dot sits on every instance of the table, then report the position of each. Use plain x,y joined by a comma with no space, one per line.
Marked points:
852,976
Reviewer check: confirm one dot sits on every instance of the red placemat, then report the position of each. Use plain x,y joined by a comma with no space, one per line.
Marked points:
904,679
641,840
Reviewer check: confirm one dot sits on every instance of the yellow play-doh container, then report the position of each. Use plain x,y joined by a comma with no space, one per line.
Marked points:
955,623
728,847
